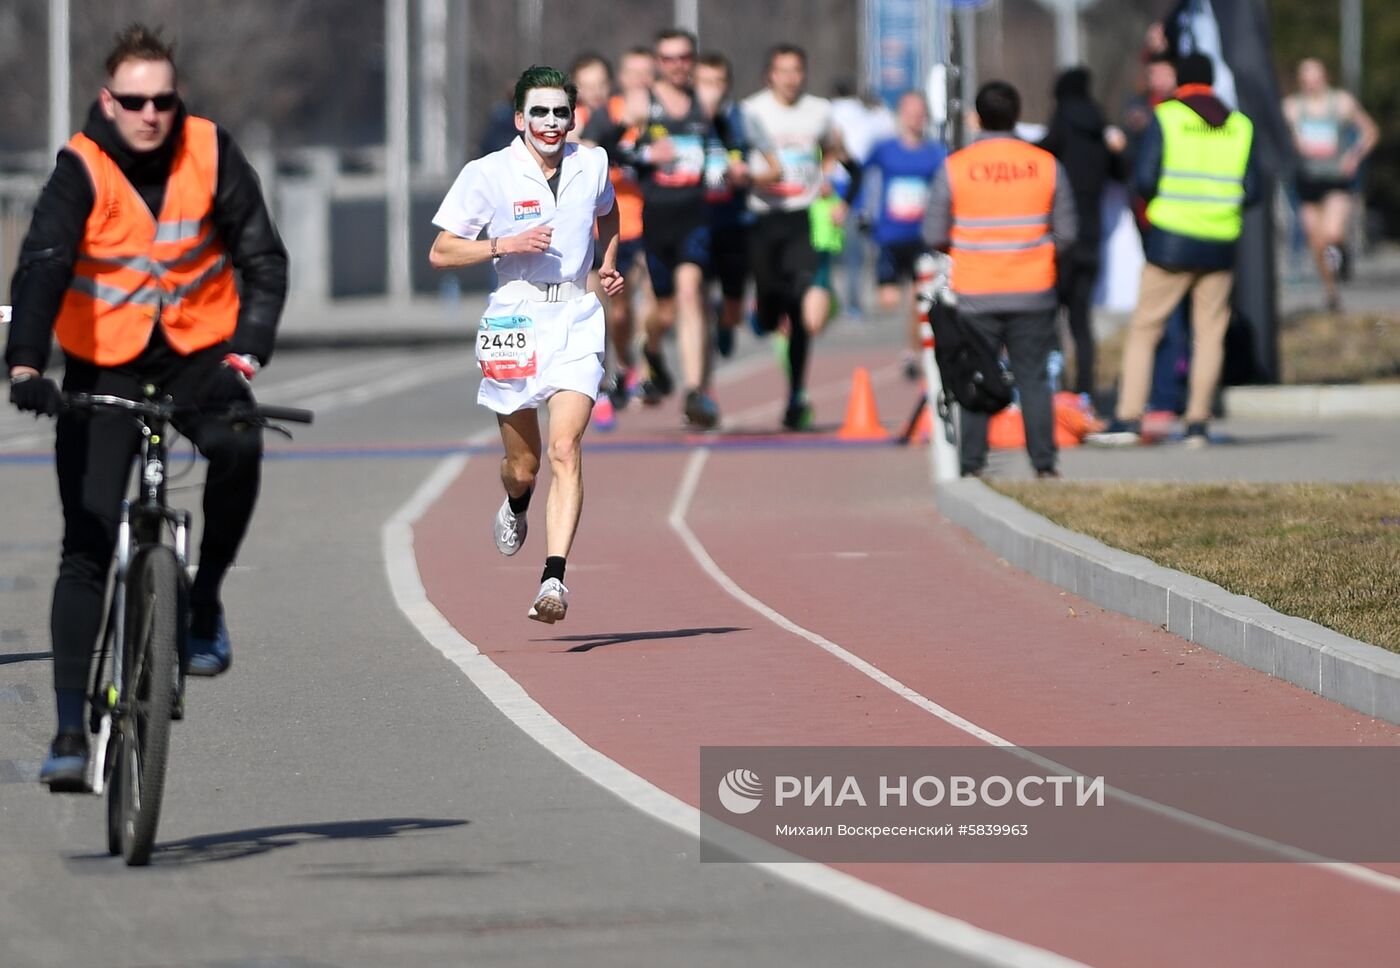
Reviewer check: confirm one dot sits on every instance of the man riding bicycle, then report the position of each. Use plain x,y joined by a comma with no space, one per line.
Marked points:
129,261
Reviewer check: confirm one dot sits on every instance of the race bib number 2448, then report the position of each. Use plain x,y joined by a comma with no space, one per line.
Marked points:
505,347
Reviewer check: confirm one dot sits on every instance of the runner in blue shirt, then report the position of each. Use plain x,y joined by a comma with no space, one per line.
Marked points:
906,165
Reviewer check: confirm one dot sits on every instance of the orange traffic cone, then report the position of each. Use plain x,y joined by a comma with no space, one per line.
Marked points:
862,419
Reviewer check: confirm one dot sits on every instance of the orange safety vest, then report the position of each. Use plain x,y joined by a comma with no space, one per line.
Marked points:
625,188
1003,191
134,269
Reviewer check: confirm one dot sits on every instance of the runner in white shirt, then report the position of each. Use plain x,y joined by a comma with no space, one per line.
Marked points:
533,206
790,134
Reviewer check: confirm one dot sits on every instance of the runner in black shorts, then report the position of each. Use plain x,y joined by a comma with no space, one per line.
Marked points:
788,132
726,174
670,158
907,165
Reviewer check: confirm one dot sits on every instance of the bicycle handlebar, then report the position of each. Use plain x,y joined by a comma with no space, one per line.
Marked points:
288,414
162,410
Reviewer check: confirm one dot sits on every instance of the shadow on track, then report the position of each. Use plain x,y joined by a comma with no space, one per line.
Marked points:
239,844
24,657
602,639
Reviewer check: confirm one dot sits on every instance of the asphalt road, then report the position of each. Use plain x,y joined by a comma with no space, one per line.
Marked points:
344,796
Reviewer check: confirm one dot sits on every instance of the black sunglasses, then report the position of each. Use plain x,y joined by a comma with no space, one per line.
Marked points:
562,113
137,102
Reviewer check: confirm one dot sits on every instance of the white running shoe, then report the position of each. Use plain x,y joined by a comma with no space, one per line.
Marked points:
551,603
509,529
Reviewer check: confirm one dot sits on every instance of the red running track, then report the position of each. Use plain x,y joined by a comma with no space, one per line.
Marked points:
656,660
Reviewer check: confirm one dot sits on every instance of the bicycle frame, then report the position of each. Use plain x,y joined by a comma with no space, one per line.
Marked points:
142,523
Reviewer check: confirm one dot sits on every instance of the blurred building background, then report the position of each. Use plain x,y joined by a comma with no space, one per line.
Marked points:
302,85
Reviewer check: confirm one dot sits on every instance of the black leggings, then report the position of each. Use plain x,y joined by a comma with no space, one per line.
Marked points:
784,267
1076,290
93,455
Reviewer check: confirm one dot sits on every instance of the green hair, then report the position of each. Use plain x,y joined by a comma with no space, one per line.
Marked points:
536,77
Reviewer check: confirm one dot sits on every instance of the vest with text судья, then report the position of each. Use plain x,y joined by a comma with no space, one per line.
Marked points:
134,269
1003,192
1200,193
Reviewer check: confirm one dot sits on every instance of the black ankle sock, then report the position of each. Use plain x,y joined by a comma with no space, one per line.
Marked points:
553,568
521,504
204,619
71,703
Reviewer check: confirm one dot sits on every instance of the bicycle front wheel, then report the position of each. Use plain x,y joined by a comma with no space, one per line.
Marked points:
150,679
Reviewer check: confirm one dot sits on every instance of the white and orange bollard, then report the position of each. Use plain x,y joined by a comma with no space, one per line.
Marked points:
931,280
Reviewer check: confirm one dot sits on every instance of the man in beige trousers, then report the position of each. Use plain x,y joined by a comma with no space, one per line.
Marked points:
1196,170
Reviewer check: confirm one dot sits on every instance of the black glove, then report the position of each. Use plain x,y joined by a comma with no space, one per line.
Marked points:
36,394
224,386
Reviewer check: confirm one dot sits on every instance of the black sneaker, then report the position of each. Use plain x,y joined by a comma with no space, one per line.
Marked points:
798,415
619,391
1047,474
724,341
1197,435
700,411
913,372
65,769
660,378
1119,433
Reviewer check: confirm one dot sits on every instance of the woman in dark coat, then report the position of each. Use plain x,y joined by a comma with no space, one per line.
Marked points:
1091,153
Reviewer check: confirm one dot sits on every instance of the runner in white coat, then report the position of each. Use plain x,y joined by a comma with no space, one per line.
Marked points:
533,207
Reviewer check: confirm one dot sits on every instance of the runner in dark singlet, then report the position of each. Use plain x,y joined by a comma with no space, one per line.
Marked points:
670,160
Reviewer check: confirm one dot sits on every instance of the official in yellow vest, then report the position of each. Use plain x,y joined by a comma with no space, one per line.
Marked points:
1196,170
129,262
1003,209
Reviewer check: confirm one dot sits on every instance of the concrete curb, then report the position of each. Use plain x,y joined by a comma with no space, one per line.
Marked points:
1345,670
1370,400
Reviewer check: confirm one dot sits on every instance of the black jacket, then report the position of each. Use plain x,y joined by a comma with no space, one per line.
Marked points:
1076,138
1172,250
55,235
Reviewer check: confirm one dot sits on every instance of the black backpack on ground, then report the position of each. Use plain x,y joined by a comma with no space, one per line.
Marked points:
968,362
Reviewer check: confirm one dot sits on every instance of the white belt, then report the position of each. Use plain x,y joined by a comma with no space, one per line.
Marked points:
540,291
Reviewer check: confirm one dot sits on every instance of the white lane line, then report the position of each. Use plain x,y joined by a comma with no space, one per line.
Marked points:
686,493
405,582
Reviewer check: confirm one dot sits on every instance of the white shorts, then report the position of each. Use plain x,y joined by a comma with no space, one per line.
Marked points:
569,345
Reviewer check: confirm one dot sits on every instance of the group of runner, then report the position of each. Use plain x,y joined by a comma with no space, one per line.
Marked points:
713,192
661,184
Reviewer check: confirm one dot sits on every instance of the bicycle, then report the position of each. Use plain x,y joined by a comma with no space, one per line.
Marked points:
130,712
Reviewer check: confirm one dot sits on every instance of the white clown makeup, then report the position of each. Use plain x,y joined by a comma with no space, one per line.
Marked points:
546,121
